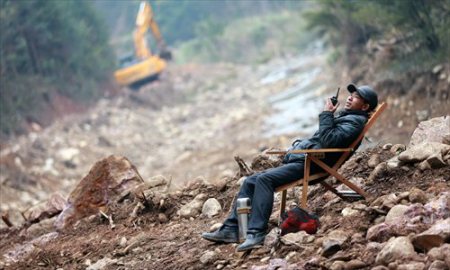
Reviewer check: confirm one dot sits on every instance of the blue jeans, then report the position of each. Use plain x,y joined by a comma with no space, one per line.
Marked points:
260,188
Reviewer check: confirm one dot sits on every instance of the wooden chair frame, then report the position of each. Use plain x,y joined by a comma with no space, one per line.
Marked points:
314,155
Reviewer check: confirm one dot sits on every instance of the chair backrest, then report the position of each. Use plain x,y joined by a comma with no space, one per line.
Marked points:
373,117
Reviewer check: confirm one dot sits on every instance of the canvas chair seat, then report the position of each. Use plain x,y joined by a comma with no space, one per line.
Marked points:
314,155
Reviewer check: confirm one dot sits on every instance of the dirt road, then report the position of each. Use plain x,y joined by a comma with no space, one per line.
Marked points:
188,125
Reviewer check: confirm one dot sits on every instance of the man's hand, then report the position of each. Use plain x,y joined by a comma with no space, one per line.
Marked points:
329,106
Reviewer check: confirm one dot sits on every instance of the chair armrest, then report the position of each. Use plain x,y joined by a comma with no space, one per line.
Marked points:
305,151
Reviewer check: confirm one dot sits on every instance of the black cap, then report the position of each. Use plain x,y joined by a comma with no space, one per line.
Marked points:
367,93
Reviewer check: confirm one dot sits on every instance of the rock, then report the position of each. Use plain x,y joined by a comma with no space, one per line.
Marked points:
348,211
422,115
438,265
211,208
357,238
379,171
208,257
277,264
436,161
221,184
417,196
373,161
436,253
393,163
291,255
397,148
373,248
215,227
386,201
423,166
337,265
298,238
193,208
333,242
380,232
156,181
272,238
67,154
106,180
412,266
417,218
446,138
380,267
135,242
379,220
396,212
440,206
355,264
433,130
162,218
396,248
422,151
50,208
387,146
123,241
101,264
435,236
437,69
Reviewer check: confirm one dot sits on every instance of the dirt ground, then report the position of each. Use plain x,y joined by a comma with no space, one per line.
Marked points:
188,126
176,243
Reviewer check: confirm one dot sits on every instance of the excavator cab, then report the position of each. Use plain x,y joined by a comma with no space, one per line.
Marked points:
143,66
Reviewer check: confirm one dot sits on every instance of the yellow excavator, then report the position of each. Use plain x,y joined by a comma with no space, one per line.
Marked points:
143,66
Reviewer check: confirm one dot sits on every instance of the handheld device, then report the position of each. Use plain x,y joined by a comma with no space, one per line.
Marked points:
334,100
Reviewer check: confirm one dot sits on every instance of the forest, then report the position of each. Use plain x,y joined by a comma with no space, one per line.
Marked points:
71,47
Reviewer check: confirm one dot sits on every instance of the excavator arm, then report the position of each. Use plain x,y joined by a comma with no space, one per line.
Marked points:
144,21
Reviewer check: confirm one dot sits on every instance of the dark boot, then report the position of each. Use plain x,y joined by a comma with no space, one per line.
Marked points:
253,240
225,234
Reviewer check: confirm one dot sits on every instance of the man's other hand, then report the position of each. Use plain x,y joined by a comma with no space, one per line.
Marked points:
329,106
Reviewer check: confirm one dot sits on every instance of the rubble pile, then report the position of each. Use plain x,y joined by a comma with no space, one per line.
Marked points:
133,223
134,182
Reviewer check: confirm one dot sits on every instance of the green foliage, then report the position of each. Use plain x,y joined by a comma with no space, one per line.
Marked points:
419,26
48,45
179,20
253,39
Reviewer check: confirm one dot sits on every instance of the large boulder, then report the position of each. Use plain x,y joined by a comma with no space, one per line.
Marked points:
433,130
106,180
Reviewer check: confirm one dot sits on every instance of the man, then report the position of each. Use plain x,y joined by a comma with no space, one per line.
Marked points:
333,132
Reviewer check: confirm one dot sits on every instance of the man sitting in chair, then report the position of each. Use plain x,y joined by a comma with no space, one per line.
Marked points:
334,132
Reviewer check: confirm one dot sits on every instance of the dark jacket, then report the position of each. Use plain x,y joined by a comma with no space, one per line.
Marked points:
334,132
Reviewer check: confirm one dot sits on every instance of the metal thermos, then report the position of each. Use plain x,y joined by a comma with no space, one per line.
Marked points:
243,208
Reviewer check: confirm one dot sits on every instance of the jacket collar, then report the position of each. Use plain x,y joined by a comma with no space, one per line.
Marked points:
349,112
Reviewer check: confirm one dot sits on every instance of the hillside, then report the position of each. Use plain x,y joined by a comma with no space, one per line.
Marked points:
183,133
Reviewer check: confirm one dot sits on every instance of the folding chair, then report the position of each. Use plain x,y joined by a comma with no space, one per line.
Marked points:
314,155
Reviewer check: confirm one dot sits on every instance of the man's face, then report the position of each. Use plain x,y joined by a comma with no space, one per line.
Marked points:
356,103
